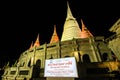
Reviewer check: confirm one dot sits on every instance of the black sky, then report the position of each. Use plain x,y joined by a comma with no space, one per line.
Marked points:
22,21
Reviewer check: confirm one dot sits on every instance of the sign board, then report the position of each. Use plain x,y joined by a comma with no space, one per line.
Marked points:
63,67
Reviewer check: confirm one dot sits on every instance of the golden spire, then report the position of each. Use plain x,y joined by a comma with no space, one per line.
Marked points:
85,33
54,37
37,43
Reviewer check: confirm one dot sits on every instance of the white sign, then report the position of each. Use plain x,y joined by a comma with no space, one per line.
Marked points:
63,67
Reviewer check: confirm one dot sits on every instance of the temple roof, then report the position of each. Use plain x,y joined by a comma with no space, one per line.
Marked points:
115,26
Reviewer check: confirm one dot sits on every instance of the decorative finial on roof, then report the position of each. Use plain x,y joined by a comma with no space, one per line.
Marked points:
85,33
31,46
54,37
37,43
69,13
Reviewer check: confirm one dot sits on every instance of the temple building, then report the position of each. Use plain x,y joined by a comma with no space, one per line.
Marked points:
114,40
94,56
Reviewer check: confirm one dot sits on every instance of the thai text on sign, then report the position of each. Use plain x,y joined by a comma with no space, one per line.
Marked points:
63,67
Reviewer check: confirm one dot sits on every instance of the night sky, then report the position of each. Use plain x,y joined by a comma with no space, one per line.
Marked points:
21,22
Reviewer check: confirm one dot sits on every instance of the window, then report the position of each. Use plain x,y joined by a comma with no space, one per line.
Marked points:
12,72
24,72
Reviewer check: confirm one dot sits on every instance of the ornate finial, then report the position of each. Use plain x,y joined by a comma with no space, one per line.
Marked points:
55,37
85,33
37,43
31,46
69,13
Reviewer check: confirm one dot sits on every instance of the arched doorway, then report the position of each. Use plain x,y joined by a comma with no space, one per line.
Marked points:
38,62
105,56
86,58
36,69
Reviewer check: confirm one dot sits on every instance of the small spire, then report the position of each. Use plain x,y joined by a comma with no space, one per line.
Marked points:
7,65
31,46
15,64
85,33
37,43
54,37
